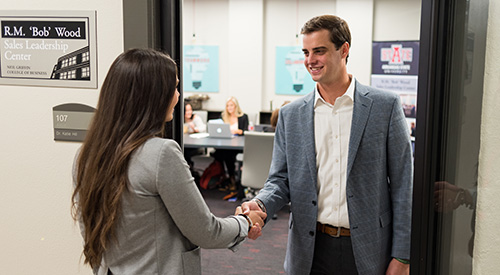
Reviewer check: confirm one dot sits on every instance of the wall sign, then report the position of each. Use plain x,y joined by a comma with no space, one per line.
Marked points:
201,68
395,68
292,77
71,121
48,48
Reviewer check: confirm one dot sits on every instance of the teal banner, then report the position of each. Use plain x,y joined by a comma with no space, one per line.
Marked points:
292,77
201,68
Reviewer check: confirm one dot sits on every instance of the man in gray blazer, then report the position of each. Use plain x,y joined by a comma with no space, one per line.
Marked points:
342,158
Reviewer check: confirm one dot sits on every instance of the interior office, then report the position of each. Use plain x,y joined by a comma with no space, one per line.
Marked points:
247,33
38,235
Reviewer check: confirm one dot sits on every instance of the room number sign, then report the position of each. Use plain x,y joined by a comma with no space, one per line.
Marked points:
71,121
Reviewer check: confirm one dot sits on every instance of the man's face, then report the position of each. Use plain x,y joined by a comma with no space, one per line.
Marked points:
323,61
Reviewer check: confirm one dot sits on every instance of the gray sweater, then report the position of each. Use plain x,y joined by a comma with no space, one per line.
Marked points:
165,219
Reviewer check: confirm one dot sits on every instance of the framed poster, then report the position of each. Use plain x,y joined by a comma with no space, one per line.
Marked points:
292,77
395,68
201,68
48,48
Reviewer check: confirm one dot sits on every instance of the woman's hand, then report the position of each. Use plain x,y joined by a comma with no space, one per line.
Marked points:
192,127
237,132
257,217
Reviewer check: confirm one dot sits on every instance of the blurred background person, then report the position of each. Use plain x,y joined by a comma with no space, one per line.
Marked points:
137,205
192,122
238,121
274,118
234,116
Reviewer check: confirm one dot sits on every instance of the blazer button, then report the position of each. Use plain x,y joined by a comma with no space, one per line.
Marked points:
314,203
311,233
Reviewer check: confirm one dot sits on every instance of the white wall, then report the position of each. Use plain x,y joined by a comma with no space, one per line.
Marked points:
245,54
209,21
487,241
396,20
37,233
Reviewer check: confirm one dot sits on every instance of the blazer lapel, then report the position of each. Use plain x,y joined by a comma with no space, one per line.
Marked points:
306,112
360,114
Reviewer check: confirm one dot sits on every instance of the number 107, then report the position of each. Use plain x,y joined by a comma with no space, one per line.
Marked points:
62,118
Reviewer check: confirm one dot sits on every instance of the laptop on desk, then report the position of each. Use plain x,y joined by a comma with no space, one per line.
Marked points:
219,130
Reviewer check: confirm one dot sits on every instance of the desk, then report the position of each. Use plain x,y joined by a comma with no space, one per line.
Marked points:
235,143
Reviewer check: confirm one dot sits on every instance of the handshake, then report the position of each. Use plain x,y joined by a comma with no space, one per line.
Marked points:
255,216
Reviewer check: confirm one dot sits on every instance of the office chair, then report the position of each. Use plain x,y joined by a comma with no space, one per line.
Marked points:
201,161
257,155
203,115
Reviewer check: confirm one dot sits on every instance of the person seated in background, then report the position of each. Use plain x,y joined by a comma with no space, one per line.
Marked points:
234,116
192,122
137,205
238,121
274,118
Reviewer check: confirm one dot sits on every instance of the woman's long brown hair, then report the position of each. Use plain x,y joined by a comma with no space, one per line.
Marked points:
132,108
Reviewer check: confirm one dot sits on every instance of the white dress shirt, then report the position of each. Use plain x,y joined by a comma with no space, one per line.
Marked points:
332,129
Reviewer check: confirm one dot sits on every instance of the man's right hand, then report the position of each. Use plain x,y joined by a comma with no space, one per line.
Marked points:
257,217
251,208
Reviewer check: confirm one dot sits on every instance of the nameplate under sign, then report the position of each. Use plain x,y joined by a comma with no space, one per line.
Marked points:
71,121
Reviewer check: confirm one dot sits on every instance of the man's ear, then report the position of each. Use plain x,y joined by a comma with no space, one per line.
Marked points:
345,49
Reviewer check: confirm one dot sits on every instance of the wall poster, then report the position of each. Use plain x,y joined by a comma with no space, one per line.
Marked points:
292,77
48,48
395,68
201,68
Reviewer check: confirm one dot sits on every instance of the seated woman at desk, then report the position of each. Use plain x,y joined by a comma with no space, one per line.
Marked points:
234,116
192,122
238,121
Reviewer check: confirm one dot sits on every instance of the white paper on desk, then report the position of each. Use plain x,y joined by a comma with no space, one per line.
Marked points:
199,135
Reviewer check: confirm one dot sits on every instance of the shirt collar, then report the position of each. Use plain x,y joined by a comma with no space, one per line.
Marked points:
349,93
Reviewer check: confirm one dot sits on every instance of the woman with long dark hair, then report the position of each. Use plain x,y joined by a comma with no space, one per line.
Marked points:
138,207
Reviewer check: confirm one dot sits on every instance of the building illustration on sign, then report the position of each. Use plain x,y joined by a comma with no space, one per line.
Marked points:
73,66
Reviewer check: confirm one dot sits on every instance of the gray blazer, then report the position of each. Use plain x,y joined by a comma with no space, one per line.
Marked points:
379,181
165,219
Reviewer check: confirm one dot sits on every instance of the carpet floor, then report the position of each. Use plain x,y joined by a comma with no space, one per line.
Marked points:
263,256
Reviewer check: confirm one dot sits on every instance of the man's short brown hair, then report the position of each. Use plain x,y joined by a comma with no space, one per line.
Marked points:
338,28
